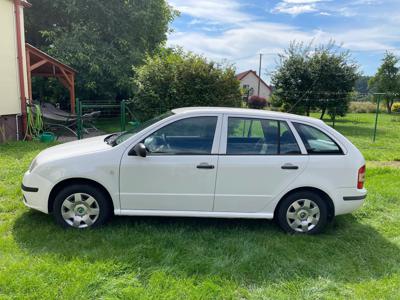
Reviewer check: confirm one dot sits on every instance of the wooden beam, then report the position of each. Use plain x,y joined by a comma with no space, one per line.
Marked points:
38,64
66,76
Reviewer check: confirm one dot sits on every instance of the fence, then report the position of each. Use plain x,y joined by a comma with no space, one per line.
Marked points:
95,117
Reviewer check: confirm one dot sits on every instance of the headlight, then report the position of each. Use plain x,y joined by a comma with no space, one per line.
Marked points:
33,165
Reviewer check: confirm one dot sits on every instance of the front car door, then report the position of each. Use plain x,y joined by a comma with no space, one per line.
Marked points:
259,158
179,172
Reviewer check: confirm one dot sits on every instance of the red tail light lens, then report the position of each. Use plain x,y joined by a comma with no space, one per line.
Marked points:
361,177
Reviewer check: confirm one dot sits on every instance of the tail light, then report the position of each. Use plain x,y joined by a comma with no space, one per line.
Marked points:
361,177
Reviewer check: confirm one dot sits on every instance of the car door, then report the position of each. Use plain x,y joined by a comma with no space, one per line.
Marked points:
259,158
179,171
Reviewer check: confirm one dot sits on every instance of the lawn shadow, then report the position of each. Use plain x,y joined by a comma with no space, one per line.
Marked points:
246,251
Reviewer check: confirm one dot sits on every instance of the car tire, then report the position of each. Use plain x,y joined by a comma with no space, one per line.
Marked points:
81,206
302,213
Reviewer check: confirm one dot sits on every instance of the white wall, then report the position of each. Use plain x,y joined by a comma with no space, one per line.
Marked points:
252,80
9,81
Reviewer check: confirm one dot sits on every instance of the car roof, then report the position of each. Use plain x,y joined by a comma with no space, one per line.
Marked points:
246,111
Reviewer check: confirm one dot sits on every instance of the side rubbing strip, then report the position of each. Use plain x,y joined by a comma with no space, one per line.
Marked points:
350,198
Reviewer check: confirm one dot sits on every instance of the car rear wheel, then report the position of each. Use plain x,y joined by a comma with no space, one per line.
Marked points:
81,206
303,212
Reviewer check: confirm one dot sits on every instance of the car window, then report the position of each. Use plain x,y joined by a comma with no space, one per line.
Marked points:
315,141
191,136
250,136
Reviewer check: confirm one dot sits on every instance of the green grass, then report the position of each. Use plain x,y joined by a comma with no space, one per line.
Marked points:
178,258
359,128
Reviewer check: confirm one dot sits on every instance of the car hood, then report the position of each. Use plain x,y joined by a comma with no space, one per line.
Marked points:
72,149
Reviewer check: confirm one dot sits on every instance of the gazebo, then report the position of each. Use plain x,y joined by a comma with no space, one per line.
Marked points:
41,64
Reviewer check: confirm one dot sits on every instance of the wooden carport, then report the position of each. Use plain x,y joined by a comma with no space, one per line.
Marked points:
41,64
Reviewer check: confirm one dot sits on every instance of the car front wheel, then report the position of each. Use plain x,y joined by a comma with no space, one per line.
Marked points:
303,212
81,206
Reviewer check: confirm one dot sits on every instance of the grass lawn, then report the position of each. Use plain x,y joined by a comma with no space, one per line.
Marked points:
178,258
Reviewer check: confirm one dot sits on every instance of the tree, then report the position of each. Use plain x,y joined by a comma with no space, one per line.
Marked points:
387,79
320,78
173,78
102,40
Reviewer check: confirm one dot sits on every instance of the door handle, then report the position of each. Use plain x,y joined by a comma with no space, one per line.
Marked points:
289,167
205,166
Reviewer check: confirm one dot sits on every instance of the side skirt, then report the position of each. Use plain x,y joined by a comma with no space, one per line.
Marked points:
198,214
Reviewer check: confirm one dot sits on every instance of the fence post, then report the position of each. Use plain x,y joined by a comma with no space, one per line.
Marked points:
122,111
76,105
376,115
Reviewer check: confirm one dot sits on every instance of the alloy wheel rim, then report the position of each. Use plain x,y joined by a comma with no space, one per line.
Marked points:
80,210
303,215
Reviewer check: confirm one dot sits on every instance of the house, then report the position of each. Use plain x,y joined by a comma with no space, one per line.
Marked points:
19,62
249,81
13,75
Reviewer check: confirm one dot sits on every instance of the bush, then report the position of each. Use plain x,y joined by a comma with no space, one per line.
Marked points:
362,107
396,107
173,79
257,102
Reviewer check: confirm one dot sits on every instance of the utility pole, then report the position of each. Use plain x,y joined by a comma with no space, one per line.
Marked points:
259,76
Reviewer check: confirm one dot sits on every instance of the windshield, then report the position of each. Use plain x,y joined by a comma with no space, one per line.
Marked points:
127,134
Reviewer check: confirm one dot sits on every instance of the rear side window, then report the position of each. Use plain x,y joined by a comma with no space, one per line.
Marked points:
315,141
250,136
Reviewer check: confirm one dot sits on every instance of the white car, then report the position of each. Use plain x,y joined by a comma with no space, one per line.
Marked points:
203,162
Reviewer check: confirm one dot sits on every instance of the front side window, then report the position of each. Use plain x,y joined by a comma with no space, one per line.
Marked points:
249,136
191,136
315,141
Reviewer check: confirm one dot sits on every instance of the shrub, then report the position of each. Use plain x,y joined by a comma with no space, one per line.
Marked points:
173,78
257,102
362,107
396,107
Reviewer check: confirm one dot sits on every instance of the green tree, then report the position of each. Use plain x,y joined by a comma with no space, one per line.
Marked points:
102,40
387,79
315,78
173,78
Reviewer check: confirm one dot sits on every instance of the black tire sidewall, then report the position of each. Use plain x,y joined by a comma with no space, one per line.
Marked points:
287,201
103,202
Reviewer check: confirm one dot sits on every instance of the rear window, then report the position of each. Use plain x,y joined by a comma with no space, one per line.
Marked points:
315,141
251,136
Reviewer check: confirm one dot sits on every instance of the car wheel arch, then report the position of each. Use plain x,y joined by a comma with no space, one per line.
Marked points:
321,193
70,181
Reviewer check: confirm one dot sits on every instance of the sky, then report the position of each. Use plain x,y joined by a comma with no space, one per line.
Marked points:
236,31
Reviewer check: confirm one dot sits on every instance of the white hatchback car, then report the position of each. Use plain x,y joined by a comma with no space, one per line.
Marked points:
203,162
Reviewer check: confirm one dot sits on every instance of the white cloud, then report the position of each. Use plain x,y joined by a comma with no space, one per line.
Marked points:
294,9
221,11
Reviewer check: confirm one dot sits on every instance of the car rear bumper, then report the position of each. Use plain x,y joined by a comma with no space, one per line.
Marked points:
36,190
347,200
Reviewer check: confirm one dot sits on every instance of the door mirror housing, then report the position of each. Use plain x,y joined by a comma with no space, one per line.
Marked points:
138,150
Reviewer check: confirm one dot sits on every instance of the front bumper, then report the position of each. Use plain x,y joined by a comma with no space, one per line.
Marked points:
36,191
346,200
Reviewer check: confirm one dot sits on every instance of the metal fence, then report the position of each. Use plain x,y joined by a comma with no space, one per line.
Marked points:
95,117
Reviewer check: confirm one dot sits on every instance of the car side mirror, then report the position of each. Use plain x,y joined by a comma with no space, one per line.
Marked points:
138,150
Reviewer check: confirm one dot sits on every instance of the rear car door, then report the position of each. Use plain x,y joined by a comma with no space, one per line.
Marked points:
259,158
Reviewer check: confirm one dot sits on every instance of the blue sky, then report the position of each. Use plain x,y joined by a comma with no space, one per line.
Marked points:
235,31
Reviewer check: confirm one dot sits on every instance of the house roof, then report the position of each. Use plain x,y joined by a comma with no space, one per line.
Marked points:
242,75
